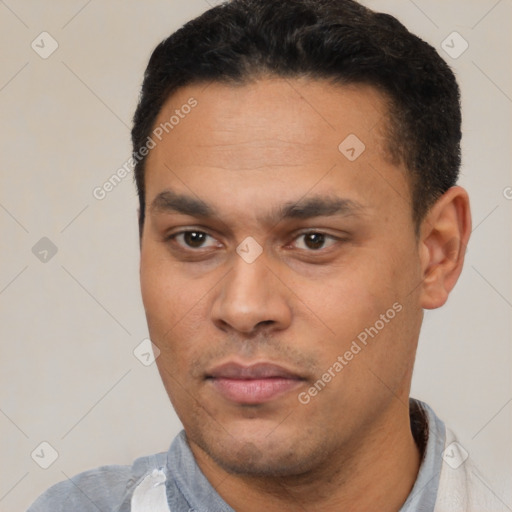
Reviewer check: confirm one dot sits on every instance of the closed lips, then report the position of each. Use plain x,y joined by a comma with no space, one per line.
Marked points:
252,385
256,371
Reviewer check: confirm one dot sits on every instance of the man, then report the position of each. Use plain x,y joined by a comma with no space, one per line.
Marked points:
296,164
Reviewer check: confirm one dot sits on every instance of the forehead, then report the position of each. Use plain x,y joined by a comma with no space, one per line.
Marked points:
286,119
274,137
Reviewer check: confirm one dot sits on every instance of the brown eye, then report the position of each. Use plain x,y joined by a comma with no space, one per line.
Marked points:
314,240
194,238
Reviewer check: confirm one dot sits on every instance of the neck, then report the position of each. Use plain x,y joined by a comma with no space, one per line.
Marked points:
377,470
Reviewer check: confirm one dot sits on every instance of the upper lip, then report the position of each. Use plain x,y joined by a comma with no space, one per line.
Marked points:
261,370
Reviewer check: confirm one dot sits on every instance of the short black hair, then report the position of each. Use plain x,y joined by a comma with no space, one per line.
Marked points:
337,40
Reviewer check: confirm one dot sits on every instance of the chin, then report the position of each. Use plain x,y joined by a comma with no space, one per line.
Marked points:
257,450
252,460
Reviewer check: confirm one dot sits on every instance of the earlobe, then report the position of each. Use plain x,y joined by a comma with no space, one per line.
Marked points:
444,235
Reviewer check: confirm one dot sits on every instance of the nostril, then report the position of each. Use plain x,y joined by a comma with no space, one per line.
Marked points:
264,323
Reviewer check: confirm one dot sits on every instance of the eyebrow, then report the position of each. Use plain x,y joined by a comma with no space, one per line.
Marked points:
169,201
316,206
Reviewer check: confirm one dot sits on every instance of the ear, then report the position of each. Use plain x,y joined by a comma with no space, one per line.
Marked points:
444,235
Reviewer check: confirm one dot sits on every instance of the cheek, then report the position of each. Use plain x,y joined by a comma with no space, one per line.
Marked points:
369,303
163,295
165,292
356,294
175,307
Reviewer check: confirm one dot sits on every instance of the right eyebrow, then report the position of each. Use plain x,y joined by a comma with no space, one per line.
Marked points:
169,201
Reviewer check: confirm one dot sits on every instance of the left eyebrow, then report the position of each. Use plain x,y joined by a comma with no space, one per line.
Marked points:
319,206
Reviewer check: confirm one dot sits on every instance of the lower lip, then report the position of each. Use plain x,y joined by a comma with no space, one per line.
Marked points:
254,391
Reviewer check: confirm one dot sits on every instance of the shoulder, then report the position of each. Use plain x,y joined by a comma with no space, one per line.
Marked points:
104,488
462,487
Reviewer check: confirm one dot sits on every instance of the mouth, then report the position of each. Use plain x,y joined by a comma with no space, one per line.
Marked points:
253,384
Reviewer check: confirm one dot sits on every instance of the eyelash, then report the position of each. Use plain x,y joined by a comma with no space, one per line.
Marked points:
327,237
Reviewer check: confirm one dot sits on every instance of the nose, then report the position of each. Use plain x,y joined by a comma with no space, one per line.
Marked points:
251,298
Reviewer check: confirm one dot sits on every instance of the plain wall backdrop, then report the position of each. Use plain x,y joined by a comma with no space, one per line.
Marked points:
71,319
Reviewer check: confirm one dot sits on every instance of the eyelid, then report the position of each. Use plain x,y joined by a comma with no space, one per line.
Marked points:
187,229
308,231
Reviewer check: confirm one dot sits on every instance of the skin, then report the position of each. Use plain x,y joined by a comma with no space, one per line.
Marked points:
247,151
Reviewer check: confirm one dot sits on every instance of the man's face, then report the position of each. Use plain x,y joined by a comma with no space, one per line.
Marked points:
244,336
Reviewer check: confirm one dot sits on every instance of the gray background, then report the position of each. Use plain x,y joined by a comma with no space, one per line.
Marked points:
70,324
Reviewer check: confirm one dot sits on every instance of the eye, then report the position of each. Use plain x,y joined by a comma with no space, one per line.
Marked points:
314,241
194,239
